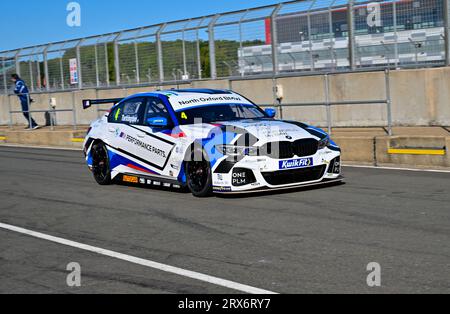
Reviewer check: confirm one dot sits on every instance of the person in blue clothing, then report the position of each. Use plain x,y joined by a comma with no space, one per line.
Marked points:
21,90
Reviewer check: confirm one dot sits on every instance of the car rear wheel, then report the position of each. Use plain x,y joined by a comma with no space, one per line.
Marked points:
100,164
199,177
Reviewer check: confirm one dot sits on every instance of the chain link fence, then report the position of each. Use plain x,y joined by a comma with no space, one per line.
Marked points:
291,37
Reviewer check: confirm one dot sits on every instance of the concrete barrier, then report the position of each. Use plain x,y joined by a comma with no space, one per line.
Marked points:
423,151
358,147
47,138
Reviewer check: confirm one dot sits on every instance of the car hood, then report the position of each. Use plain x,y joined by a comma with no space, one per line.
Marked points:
264,130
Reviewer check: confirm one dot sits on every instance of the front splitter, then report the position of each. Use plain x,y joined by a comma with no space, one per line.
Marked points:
267,189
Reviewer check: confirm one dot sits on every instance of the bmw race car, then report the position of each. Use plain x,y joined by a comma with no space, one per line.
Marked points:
209,141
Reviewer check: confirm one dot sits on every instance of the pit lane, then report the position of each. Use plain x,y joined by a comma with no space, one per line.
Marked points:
303,241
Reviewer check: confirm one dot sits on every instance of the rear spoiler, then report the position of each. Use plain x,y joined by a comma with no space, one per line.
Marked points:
87,103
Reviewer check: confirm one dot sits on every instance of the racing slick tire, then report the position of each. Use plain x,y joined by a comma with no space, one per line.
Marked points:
100,164
199,175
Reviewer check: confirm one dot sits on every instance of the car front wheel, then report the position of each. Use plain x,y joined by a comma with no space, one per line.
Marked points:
199,177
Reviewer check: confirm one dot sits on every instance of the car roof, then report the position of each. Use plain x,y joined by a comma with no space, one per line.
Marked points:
181,92
181,99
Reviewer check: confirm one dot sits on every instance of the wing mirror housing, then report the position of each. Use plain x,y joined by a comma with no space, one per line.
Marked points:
271,112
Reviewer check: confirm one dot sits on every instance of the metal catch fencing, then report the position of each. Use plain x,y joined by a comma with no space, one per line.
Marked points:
50,113
288,38
327,104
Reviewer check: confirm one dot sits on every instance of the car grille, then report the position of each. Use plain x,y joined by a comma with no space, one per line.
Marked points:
285,150
295,176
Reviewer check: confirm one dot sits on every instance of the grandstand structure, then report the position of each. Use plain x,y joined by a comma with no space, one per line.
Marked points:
289,38
408,33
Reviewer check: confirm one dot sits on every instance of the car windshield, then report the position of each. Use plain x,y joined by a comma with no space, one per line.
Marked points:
220,113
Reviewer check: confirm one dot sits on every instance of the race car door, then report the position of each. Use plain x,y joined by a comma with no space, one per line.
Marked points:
124,136
153,146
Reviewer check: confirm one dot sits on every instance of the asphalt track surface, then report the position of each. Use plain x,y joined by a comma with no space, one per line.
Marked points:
303,241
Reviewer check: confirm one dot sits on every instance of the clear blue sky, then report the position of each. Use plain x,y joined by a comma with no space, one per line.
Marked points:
33,22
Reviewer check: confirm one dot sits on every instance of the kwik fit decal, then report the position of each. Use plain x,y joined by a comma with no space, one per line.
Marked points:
296,163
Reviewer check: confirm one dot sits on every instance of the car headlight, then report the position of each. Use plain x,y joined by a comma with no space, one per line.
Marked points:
324,142
232,150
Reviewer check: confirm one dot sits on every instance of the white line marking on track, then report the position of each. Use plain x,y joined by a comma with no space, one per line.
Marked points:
396,168
139,261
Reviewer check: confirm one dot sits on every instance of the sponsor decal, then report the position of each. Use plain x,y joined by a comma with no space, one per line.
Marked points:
142,181
199,100
242,176
296,163
156,183
130,179
73,64
239,178
130,119
337,166
167,185
222,189
182,102
141,144
149,182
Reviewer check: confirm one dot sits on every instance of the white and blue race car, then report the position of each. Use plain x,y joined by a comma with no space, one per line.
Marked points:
209,141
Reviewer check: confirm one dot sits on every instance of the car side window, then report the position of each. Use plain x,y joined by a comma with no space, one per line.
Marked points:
130,111
157,109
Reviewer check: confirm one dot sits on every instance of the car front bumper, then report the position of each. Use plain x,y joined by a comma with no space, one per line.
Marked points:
255,174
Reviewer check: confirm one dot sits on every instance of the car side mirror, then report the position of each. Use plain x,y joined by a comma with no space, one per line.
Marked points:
271,113
158,122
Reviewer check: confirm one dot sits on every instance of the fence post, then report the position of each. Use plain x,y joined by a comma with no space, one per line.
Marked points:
39,80
107,64
5,82
199,56
80,73
52,114
327,103
16,60
29,109
30,68
332,38
274,39
61,72
351,33
394,10
47,78
10,109
447,31
183,44
97,77
387,74
160,53
116,58
212,47
311,52
136,56
74,111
